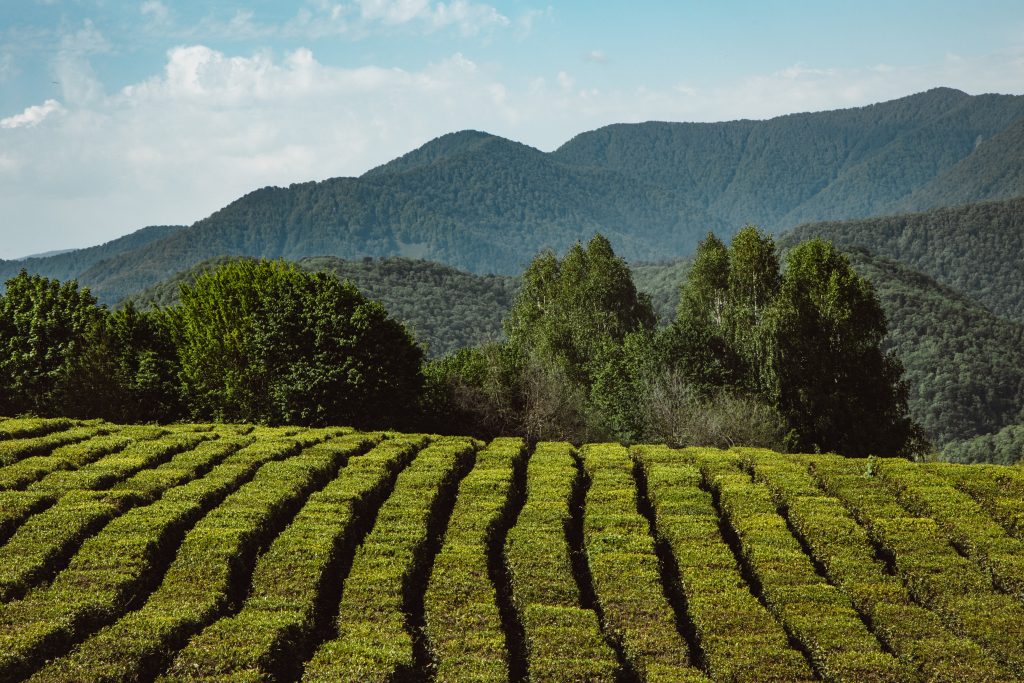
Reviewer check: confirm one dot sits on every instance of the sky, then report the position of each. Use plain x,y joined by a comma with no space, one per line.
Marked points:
117,114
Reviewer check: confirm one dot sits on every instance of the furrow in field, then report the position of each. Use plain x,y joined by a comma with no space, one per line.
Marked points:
115,571
13,450
73,456
376,622
297,580
818,616
936,575
627,584
843,550
463,626
737,638
563,639
999,490
43,545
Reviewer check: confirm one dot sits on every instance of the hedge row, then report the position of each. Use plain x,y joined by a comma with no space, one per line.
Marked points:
563,640
13,450
624,566
374,642
286,605
125,561
25,427
997,489
463,622
737,638
72,456
17,506
971,530
814,612
937,576
47,539
842,549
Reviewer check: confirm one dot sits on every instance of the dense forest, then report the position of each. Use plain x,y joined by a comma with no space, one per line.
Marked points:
974,249
484,204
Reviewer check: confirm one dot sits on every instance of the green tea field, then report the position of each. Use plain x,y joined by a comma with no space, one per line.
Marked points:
234,553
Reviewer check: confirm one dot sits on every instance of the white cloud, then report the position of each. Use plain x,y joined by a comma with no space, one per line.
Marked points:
469,17
156,11
7,67
32,116
596,56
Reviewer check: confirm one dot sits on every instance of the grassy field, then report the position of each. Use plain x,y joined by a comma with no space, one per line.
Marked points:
228,552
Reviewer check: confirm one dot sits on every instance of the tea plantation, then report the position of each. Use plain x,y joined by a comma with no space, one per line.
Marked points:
240,553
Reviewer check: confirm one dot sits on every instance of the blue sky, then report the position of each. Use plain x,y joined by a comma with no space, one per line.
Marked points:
115,114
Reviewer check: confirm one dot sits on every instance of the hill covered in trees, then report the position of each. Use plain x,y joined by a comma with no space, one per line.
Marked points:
486,204
974,249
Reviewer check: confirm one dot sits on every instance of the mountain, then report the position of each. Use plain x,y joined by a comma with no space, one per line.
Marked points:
976,249
76,263
486,204
994,170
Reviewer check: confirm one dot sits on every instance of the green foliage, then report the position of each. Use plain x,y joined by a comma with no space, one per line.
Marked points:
45,329
836,387
262,341
806,341
973,249
445,309
1005,447
223,552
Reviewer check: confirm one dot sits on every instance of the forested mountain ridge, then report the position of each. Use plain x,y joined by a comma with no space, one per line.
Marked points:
977,249
71,264
486,204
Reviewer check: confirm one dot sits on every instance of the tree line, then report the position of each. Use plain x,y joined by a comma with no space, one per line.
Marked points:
758,354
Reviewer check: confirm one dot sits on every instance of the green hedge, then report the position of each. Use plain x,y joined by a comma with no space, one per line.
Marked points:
27,427
374,642
13,450
842,548
462,621
737,637
72,456
277,624
129,555
815,613
563,640
624,566
936,575
47,539
998,490
968,527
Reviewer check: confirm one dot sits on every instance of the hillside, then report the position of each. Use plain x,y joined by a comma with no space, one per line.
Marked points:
1004,447
975,249
384,556
485,204
72,264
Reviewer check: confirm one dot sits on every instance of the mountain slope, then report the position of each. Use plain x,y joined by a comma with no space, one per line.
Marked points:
486,204
995,170
69,265
975,249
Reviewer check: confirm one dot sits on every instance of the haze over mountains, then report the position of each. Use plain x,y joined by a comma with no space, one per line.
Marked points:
486,204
